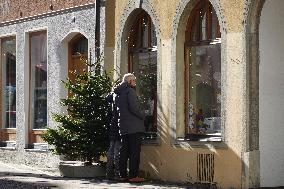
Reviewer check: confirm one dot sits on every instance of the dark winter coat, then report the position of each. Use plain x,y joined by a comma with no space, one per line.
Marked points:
113,129
131,118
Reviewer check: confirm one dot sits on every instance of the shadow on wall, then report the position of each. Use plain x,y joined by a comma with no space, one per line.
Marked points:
189,163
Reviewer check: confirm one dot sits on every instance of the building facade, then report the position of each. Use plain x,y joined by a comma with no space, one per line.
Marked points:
209,76
40,43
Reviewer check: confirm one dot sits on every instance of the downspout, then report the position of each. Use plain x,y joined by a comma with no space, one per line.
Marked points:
97,29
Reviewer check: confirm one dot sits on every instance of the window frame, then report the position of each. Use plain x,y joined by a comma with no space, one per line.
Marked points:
35,133
3,74
6,133
71,55
150,47
194,21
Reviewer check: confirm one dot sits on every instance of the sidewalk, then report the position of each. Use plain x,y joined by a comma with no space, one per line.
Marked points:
23,177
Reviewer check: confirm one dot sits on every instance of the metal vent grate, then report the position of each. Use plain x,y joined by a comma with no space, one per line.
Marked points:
205,168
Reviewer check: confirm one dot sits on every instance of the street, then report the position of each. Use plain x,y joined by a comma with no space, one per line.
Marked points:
23,177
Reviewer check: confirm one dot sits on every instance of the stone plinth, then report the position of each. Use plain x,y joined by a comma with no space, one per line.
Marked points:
79,170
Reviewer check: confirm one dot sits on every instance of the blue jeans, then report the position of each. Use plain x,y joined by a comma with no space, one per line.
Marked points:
112,168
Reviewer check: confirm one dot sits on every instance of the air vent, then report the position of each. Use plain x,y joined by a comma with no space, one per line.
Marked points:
205,168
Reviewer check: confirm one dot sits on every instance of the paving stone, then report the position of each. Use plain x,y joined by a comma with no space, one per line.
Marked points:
23,177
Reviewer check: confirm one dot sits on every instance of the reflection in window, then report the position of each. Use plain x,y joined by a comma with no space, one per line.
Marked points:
8,64
38,78
203,74
80,45
143,63
203,24
78,52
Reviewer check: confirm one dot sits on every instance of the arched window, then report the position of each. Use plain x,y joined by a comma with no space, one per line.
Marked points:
203,74
78,51
142,53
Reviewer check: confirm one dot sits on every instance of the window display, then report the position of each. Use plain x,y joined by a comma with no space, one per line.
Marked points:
203,74
204,90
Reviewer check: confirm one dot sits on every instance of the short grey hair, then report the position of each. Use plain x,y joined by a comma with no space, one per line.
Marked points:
128,77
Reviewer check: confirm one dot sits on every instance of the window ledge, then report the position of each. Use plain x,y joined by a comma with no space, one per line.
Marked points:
36,150
152,142
39,129
8,144
8,148
183,143
8,128
38,147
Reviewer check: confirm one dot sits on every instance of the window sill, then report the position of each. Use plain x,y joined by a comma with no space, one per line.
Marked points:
8,144
39,130
8,148
37,147
6,128
151,139
36,150
184,143
151,142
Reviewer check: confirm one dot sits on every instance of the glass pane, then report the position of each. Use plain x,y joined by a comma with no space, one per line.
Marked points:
142,33
9,81
203,26
145,69
153,36
214,24
145,33
38,54
80,47
205,90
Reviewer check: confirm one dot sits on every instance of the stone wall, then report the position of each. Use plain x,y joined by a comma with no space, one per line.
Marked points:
60,27
17,9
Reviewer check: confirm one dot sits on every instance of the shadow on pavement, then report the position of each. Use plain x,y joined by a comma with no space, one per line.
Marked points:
24,180
12,184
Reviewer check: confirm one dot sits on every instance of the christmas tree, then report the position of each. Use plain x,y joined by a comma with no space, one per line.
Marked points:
82,132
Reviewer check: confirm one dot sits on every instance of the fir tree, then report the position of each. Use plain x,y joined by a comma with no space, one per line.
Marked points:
82,133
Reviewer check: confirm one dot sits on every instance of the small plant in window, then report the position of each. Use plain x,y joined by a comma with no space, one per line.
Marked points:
82,133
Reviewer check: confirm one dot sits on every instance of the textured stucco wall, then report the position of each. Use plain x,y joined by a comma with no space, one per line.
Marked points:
60,28
271,94
169,162
233,13
165,161
16,9
109,35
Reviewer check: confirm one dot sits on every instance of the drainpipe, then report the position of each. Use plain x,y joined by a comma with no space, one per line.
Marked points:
97,29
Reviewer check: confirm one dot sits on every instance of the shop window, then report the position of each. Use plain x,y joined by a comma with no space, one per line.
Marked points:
38,79
203,74
142,48
8,91
78,52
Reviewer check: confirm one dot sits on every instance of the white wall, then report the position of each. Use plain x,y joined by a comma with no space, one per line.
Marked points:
271,93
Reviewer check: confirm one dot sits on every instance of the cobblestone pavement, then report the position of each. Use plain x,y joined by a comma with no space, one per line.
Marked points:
23,177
